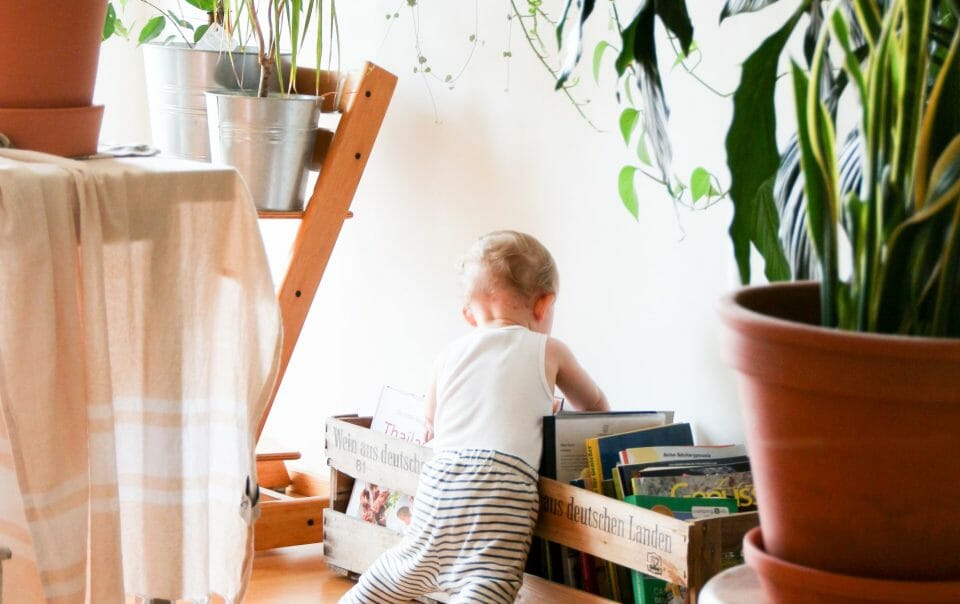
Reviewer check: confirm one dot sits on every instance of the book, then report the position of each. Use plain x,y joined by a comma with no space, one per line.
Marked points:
623,474
651,590
564,434
728,479
603,452
636,455
400,415
564,459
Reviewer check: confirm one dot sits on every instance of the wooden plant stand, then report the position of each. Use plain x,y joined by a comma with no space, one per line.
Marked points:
687,553
292,503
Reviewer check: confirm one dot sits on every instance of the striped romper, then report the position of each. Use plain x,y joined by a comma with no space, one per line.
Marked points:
477,500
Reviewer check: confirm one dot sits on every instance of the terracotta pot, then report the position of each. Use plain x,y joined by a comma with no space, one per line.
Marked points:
49,52
854,438
786,583
48,69
43,129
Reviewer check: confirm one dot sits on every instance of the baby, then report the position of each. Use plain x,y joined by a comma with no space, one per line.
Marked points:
477,499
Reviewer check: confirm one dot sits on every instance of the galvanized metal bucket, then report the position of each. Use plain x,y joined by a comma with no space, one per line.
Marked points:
177,77
268,140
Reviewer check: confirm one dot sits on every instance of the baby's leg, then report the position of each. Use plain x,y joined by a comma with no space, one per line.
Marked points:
387,581
488,591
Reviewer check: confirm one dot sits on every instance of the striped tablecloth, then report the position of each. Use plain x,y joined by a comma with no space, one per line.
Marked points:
139,340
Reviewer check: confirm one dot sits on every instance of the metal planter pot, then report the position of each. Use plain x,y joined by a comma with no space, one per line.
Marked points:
268,140
177,77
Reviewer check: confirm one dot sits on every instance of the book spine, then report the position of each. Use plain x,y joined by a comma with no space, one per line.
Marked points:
593,465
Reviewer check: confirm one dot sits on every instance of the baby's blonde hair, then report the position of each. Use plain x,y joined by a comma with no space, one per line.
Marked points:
509,260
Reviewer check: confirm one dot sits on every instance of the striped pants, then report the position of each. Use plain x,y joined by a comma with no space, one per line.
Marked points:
472,523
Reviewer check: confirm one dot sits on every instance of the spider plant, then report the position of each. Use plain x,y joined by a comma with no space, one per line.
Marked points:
286,23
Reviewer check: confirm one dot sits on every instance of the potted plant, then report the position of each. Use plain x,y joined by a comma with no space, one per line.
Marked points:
270,136
185,55
851,385
48,74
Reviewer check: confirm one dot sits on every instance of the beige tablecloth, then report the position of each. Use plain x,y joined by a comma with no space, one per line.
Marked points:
139,340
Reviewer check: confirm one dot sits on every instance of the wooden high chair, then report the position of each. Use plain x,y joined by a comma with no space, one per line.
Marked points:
292,502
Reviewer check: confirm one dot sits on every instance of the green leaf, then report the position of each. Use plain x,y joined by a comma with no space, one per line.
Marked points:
819,219
682,56
751,145
674,16
766,231
628,122
639,49
152,29
628,192
177,20
598,51
109,22
572,58
868,16
642,153
851,63
200,31
916,17
941,120
207,6
735,7
699,183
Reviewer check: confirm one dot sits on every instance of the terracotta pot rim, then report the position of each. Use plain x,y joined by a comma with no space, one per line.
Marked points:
814,580
273,97
735,310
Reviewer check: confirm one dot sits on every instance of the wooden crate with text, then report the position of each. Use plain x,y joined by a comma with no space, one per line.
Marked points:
687,553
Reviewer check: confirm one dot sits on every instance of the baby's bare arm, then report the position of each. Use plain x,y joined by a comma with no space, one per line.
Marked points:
576,384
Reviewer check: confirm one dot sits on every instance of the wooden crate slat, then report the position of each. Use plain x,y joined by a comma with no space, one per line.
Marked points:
613,530
353,545
373,457
290,522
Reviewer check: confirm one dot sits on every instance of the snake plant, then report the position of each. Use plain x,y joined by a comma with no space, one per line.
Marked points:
882,211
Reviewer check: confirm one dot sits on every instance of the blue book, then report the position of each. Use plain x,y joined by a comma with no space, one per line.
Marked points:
603,452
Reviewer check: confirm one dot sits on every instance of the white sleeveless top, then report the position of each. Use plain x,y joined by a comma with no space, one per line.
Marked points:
492,393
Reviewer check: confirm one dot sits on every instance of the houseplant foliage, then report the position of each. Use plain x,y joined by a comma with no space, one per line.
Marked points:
898,230
869,418
188,28
278,28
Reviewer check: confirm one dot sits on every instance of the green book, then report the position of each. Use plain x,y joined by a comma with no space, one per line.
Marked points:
651,590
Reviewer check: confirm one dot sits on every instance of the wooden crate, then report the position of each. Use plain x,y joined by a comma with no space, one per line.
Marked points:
688,553
291,503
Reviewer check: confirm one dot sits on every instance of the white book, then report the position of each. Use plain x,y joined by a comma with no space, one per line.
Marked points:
399,415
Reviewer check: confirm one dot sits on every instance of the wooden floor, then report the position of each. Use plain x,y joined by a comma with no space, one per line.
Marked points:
294,575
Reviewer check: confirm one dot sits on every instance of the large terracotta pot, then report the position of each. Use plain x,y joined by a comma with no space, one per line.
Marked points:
48,61
854,438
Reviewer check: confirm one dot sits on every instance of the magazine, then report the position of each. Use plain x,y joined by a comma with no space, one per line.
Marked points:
400,415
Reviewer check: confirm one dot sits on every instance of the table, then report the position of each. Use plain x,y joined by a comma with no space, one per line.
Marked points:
139,341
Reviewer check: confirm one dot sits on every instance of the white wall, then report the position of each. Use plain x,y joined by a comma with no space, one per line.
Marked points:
638,299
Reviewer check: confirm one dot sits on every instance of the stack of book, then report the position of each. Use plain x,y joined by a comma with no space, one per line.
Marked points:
643,458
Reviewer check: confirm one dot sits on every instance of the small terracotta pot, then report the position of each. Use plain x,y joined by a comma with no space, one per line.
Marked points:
786,583
854,438
49,52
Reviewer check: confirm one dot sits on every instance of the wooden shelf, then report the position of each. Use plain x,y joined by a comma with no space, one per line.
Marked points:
274,214
293,515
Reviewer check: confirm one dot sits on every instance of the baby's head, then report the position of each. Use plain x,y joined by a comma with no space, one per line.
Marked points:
512,267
